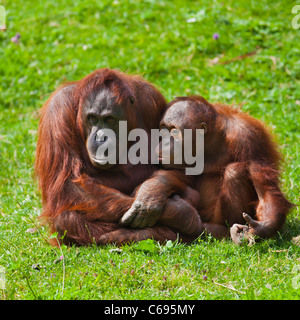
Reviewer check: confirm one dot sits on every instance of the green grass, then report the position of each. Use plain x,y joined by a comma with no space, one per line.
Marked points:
69,39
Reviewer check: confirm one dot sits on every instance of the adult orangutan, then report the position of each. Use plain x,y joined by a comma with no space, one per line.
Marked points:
83,197
240,177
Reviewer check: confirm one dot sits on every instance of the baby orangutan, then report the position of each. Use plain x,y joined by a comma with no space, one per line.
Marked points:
240,180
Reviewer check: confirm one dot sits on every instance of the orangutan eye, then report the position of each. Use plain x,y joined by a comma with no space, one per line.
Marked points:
176,134
92,119
109,120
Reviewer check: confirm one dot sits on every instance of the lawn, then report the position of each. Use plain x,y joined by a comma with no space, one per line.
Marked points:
255,60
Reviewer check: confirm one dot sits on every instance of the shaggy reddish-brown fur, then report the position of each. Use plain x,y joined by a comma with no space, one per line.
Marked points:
240,181
78,198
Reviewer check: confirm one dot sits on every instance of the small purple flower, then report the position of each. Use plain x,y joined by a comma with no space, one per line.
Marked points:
16,38
61,258
216,36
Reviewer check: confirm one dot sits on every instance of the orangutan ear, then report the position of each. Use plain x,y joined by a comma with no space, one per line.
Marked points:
203,126
131,99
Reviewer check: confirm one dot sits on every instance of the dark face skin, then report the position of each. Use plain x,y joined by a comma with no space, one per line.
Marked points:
101,112
179,116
